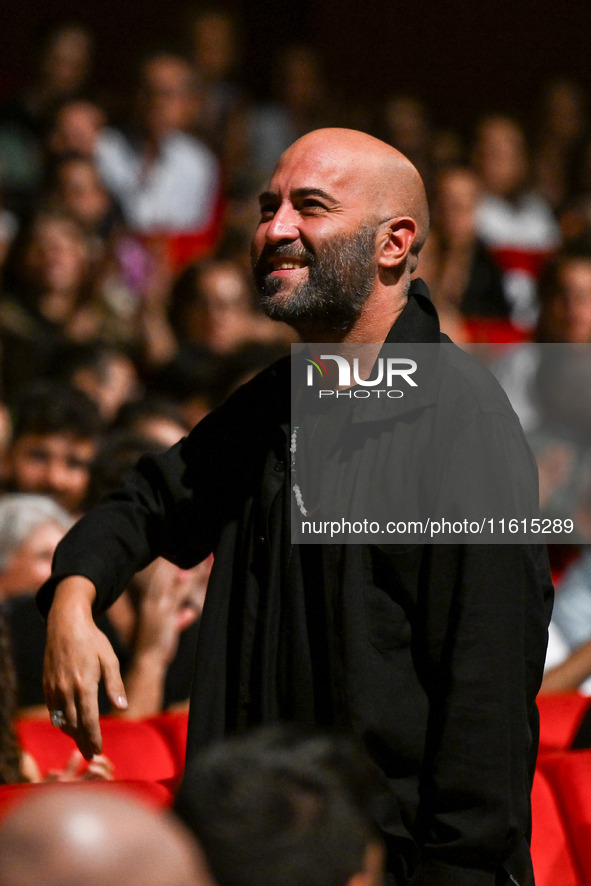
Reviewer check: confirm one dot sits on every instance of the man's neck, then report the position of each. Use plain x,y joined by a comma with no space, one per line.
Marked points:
373,324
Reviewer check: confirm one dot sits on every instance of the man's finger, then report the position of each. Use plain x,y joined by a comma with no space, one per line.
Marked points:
113,682
88,735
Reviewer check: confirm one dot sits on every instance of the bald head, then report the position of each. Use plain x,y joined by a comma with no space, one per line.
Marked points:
342,222
385,177
89,836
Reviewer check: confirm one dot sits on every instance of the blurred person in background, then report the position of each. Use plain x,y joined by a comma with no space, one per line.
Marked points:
75,184
83,837
213,305
465,280
49,295
302,101
55,433
216,54
405,125
62,71
515,223
165,180
283,806
30,528
559,136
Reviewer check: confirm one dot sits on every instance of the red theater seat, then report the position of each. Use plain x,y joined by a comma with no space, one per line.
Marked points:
173,726
137,749
569,774
551,852
561,714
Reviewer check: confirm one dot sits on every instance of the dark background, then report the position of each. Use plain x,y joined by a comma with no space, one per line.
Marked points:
461,56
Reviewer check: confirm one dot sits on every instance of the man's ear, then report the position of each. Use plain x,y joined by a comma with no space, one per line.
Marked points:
395,241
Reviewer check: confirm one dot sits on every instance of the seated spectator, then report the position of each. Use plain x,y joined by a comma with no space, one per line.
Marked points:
48,293
468,278
54,438
75,184
561,129
213,306
565,317
405,125
30,528
515,223
278,808
215,52
84,837
166,181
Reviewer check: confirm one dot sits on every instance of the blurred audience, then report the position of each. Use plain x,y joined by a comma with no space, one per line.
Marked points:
62,71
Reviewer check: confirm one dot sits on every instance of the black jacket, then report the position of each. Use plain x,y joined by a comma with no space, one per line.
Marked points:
432,654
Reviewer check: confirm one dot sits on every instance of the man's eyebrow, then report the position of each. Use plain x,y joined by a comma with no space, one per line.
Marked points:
300,193
313,192
268,197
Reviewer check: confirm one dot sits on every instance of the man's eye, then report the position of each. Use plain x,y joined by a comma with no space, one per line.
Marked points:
312,205
267,212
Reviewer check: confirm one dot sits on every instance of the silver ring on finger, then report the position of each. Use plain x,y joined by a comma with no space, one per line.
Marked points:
58,718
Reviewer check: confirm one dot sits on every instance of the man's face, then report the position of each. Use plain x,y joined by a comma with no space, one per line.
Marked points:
313,252
56,465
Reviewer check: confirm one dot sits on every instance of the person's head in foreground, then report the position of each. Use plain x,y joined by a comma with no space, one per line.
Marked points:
81,836
280,807
341,225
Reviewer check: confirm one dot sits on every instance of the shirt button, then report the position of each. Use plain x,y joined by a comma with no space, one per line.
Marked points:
261,539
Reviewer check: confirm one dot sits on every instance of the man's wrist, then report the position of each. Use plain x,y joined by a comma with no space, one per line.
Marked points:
74,591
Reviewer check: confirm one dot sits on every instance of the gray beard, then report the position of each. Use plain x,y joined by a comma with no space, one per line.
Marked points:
340,279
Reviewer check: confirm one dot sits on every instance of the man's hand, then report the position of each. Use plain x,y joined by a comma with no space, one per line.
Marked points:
77,655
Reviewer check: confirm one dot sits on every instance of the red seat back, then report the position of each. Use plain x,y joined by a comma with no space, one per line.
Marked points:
550,848
569,774
137,749
561,714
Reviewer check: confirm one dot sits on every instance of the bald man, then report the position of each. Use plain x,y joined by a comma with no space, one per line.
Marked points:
431,654
82,836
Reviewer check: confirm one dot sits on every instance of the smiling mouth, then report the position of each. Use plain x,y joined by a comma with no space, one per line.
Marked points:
285,264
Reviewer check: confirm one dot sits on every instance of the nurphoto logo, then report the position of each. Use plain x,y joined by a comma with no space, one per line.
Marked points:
388,370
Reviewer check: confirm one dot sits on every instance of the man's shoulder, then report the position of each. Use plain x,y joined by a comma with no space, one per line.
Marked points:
263,399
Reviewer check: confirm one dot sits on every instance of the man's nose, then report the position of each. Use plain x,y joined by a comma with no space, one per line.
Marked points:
283,225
